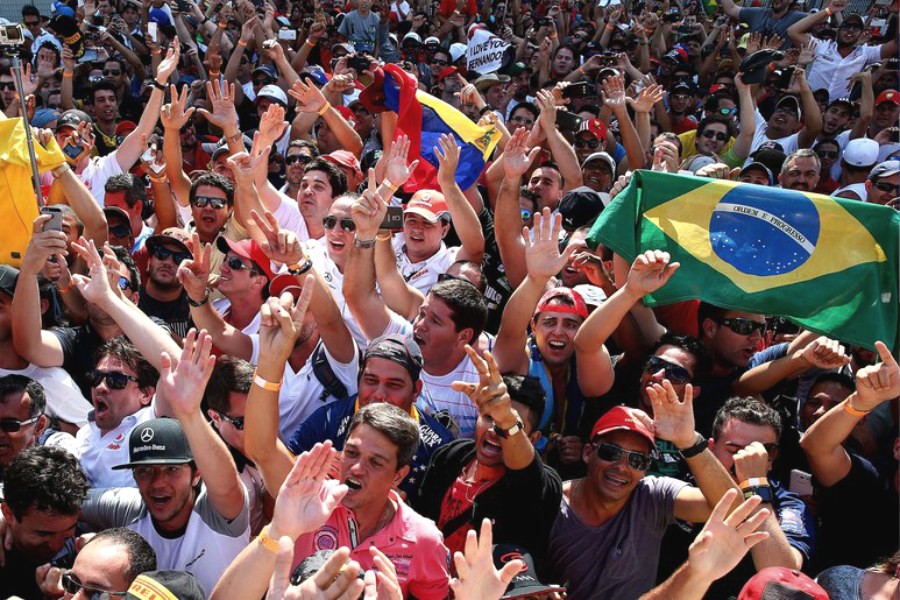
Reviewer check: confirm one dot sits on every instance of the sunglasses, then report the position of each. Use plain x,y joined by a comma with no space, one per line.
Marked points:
112,72
856,26
330,222
8,85
583,143
744,326
524,120
120,230
297,158
31,23
674,373
710,134
526,214
827,153
124,283
13,425
613,453
202,201
115,380
235,264
73,586
884,186
236,422
440,63
164,253
680,97
727,112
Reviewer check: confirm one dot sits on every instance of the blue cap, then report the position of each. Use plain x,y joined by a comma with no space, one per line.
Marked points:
43,116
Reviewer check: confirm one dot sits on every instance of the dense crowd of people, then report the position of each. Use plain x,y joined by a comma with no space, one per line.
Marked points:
259,343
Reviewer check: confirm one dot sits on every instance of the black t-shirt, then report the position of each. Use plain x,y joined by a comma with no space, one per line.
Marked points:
176,314
497,289
79,345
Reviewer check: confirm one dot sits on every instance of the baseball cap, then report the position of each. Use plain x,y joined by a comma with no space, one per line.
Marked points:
760,167
772,158
347,114
125,127
344,159
447,72
698,162
853,17
576,305
247,249
272,92
72,118
683,85
861,152
888,96
781,583
580,207
348,47
171,235
677,54
885,169
594,126
429,204
157,442
42,116
602,156
399,348
622,418
457,51
525,583
268,70
8,278
791,100
432,41
285,282
115,212
844,101
154,585
412,36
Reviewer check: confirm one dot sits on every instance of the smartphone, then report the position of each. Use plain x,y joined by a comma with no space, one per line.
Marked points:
182,5
287,34
578,90
73,151
56,218
883,2
783,79
801,483
148,156
393,219
269,44
358,63
567,120
152,31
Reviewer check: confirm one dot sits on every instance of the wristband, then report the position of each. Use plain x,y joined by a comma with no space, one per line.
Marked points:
700,444
223,25
68,74
390,186
325,109
828,11
852,410
156,52
384,237
553,36
753,482
60,170
267,541
265,384
242,43
358,243
214,73
199,303
68,288
610,27
764,492
160,86
234,138
300,268
310,43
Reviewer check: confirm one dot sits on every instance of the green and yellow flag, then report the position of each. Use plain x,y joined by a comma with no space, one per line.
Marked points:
831,265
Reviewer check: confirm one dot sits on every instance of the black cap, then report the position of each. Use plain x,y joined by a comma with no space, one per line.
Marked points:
72,118
754,67
580,207
683,84
772,158
157,442
401,349
525,583
8,278
162,585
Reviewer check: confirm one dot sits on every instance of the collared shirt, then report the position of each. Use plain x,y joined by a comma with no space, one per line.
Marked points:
831,71
99,452
411,542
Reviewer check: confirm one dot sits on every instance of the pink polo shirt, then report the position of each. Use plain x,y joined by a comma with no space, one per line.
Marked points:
413,543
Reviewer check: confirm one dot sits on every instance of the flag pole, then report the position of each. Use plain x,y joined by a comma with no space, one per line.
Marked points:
35,176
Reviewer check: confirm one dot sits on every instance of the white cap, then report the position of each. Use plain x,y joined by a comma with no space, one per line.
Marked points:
412,35
861,152
457,51
605,157
700,161
432,40
273,92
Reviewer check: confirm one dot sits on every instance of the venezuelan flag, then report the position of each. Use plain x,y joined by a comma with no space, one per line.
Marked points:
423,118
829,264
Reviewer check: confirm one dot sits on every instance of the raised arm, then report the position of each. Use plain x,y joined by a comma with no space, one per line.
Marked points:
465,221
180,389
822,353
398,295
614,98
742,143
798,31
310,100
174,116
517,158
812,116
731,9
563,153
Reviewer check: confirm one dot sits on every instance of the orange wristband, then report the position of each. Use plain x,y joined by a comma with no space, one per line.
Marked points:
265,384
242,43
852,410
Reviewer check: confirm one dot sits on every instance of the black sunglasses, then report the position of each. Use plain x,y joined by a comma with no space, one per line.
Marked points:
7,85
744,326
236,422
884,186
111,72
827,153
612,453
297,158
235,264
116,380
851,26
124,283
73,586
440,63
202,201
347,224
587,143
674,373
710,134
163,253
13,425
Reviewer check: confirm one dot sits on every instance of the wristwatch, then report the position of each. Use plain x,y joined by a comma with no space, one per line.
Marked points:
358,243
507,433
763,491
700,444
300,268
160,86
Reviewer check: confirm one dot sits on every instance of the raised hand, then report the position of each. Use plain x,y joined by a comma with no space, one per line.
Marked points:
397,168
476,576
807,53
517,156
489,394
220,96
448,159
673,420
825,353
182,387
42,246
542,257
282,322
193,274
548,108
96,287
647,97
727,538
271,125
279,245
307,497
877,383
649,272
168,65
592,266
338,579
244,165
614,93
369,210
751,461
309,98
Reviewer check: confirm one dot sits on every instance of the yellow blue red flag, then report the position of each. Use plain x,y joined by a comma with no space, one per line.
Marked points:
831,265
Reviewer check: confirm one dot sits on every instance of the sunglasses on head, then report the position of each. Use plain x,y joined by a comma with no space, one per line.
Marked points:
587,143
14,425
612,453
202,201
235,264
297,158
744,326
236,422
674,373
115,380
710,134
884,186
347,224
72,586
162,253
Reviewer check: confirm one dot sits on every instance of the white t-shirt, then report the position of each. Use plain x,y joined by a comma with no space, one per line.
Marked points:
222,306
301,392
423,274
788,144
335,280
98,172
857,188
831,71
64,399
99,453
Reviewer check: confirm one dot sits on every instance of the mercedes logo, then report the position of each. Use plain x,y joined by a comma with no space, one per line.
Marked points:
146,435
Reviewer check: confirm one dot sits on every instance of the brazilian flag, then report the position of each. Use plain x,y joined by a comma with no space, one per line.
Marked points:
830,265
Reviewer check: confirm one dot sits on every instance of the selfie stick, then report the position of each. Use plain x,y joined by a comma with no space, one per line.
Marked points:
35,176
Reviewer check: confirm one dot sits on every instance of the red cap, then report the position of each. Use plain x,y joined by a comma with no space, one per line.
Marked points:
285,282
429,204
347,114
717,87
622,418
888,96
577,306
344,159
595,126
447,72
247,249
125,127
778,583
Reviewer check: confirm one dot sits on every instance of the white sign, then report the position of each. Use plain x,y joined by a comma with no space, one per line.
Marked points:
485,51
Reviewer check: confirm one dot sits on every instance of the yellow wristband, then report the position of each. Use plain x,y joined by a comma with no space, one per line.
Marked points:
852,410
390,185
325,109
267,541
265,384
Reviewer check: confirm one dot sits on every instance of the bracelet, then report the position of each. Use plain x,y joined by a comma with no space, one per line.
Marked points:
852,410
387,183
300,268
160,86
68,73
242,43
753,482
384,237
553,36
60,170
365,244
700,444
68,288
311,43
267,541
325,108
234,138
199,303
265,384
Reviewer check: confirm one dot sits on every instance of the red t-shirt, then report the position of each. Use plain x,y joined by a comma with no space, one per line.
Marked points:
459,500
